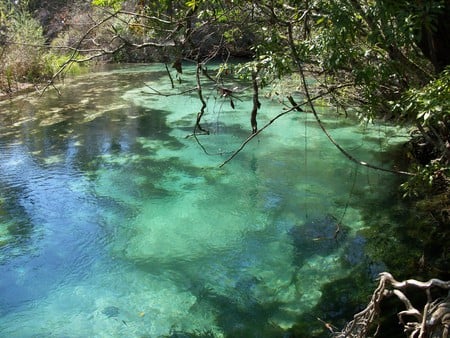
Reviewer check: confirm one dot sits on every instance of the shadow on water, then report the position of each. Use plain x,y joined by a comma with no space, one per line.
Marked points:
410,243
408,240
245,318
237,312
43,245
395,239
318,236
48,227
12,213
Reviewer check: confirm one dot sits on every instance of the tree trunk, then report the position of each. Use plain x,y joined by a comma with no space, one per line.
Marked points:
435,45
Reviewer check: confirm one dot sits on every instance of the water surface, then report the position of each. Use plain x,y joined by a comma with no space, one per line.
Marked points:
115,223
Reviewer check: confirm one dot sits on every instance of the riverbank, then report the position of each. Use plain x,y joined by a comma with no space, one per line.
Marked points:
20,88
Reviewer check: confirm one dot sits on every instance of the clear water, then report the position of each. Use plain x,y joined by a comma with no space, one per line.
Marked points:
113,223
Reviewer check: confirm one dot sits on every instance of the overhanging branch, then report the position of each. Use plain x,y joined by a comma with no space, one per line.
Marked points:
296,107
316,116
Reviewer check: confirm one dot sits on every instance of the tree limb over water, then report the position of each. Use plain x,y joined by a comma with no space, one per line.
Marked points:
295,106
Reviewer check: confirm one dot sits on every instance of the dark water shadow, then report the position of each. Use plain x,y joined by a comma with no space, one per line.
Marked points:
319,236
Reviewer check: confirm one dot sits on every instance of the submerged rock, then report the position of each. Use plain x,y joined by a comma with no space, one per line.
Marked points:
319,236
111,311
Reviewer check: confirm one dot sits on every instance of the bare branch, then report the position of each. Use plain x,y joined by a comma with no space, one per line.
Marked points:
202,100
296,107
412,282
410,310
256,103
159,93
148,17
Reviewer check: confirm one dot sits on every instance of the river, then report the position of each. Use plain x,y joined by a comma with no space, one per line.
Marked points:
114,222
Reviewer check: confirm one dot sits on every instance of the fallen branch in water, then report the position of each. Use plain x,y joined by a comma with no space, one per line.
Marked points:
433,321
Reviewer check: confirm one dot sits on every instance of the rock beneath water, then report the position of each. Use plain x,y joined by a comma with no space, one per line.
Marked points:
316,237
111,311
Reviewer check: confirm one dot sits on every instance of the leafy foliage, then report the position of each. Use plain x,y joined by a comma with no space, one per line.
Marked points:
22,36
427,180
429,105
114,4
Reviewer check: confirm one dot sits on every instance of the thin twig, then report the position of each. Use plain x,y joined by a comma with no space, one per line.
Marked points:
296,107
170,75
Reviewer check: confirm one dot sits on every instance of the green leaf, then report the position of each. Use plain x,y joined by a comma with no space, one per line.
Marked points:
192,4
320,20
114,4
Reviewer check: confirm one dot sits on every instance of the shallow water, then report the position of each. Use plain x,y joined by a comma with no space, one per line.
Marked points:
114,223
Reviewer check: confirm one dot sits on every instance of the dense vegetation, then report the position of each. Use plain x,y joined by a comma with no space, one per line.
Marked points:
389,59
24,54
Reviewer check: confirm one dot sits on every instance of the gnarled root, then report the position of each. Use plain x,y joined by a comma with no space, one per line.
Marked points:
432,321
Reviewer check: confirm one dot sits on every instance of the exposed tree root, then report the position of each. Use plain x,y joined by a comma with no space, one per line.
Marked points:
432,321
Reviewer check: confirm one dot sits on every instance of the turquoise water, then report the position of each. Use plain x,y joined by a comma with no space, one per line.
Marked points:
115,223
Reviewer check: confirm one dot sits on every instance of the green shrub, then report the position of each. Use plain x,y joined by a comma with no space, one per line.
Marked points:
21,57
52,63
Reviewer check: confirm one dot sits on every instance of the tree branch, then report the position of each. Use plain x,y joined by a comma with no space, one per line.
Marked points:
202,100
256,103
316,116
296,107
